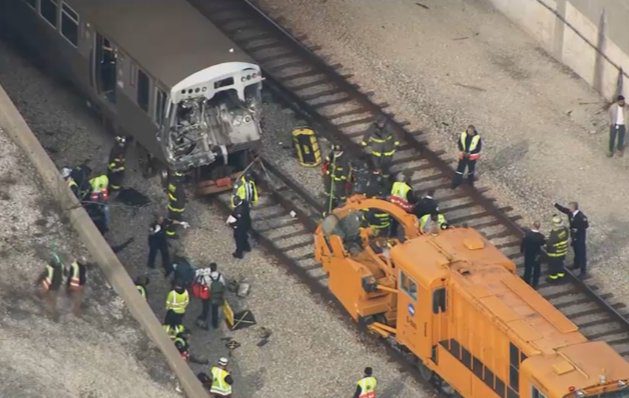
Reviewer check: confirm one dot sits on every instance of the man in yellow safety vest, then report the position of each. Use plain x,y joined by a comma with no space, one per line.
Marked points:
402,193
176,303
470,145
221,380
366,387
245,188
429,222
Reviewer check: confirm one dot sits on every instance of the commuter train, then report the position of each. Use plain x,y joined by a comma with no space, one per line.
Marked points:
454,302
156,70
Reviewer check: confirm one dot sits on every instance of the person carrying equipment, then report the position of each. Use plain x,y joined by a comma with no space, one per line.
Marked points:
75,285
366,387
470,145
176,303
221,380
245,188
556,250
402,193
215,282
176,201
431,221
381,144
336,174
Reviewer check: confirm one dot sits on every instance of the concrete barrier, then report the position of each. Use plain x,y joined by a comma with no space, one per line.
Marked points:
588,37
12,122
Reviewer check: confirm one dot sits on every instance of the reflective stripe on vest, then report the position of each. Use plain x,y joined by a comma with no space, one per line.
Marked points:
473,144
246,190
47,282
367,387
441,220
99,188
219,385
400,189
177,301
383,220
75,277
172,332
141,290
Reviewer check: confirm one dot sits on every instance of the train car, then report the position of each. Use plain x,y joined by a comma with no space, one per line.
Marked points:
156,70
455,303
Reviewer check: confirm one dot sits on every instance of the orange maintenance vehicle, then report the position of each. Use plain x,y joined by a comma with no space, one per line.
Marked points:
455,303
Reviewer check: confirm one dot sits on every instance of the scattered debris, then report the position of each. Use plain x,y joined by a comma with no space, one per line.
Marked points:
232,345
422,6
470,87
264,335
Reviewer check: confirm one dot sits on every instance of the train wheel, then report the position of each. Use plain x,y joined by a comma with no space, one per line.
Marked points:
425,372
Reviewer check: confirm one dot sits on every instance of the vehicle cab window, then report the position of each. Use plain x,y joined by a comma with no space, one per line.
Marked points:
408,285
535,393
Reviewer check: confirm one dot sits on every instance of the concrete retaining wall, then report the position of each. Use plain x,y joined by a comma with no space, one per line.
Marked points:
587,36
13,123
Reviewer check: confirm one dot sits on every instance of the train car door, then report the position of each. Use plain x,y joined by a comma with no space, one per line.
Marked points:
413,325
439,315
105,68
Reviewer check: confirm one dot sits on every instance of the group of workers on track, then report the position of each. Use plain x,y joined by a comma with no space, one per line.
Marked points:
342,178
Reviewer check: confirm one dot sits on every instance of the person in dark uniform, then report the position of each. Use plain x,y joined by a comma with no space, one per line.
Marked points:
426,205
240,223
158,243
578,226
470,145
531,248
378,185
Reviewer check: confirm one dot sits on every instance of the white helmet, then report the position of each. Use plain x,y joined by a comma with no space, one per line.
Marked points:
223,361
65,172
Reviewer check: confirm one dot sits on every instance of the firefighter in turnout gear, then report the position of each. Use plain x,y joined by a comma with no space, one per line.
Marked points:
379,222
245,188
221,380
381,144
75,285
366,387
99,199
402,193
116,165
49,283
176,303
176,202
556,250
470,145
336,175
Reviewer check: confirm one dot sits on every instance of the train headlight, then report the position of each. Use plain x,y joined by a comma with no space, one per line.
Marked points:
242,79
579,394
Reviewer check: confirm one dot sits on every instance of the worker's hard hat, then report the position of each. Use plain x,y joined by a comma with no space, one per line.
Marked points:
223,361
65,172
556,219
400,177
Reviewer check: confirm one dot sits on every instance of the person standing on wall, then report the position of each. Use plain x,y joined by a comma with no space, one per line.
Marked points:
578,225
470,145
617,120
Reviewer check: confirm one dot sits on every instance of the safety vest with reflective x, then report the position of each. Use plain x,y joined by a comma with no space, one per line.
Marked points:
219,385
367,387
399,195
177,301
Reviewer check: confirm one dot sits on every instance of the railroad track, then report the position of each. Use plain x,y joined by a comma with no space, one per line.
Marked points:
342,112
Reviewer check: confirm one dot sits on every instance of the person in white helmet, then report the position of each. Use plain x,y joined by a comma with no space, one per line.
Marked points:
221,380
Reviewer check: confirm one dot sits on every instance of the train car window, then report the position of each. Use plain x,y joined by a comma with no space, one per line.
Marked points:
143,90
160,105
69,24
32,3
535,393
514,366
511,393
439,300
48,10
408,286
